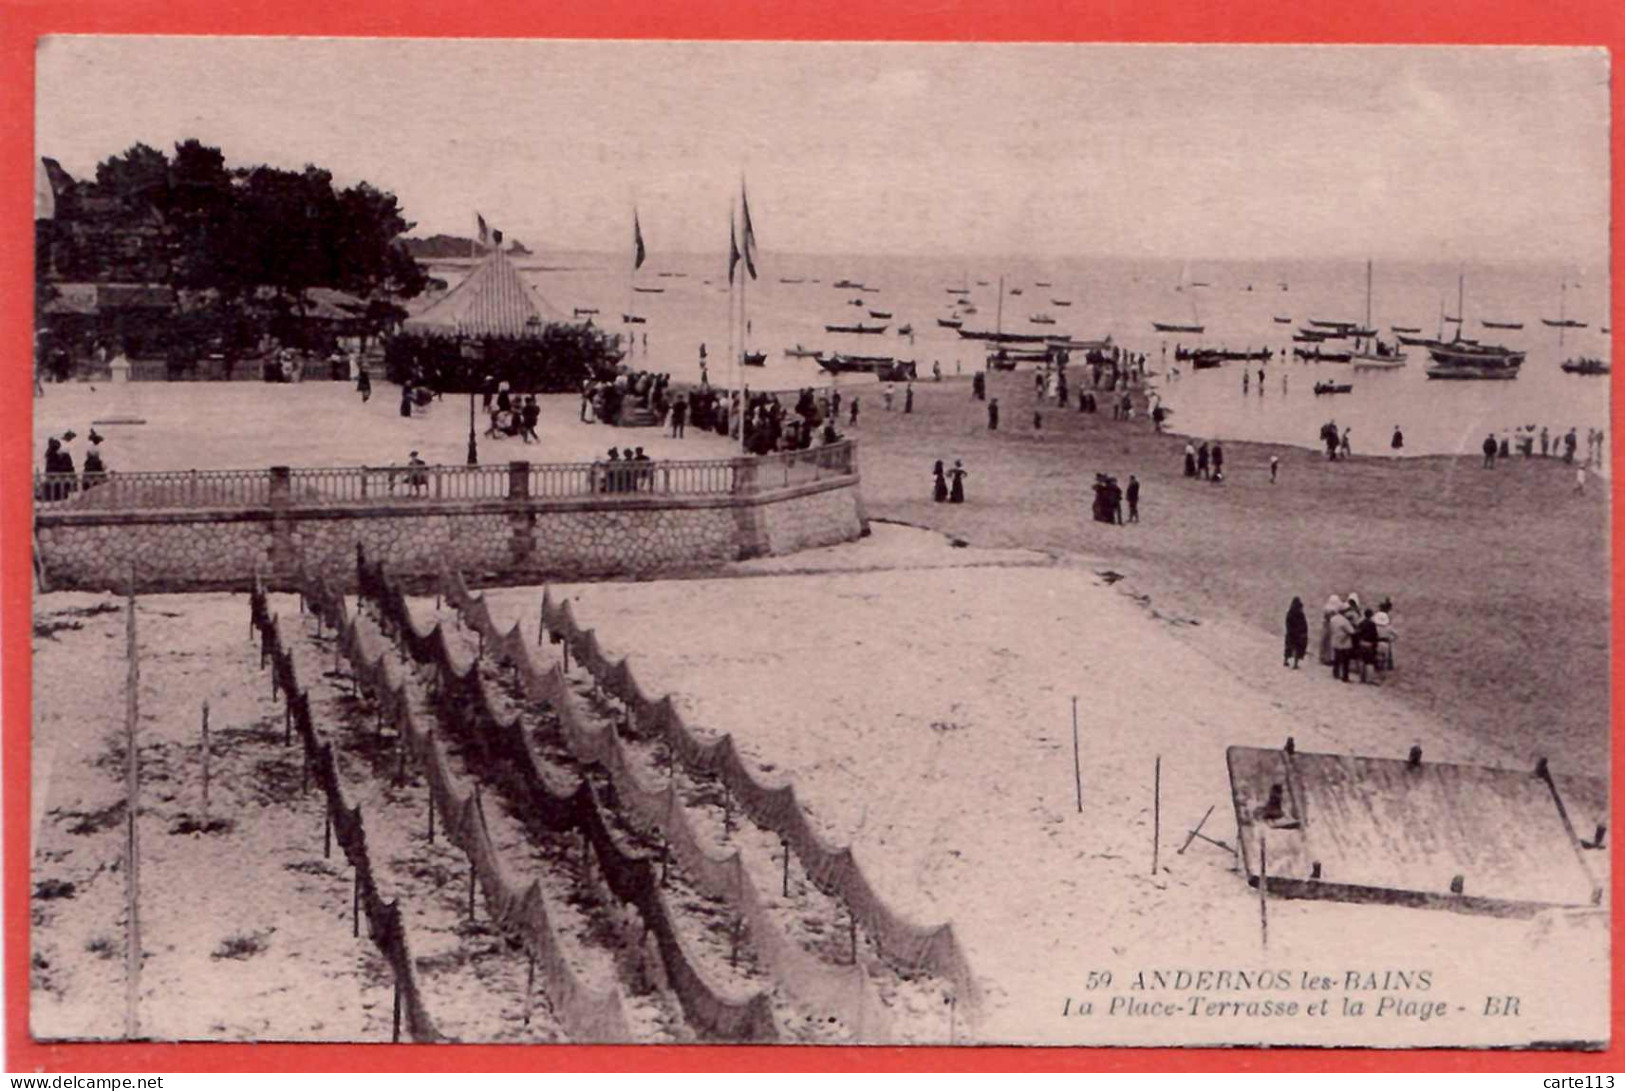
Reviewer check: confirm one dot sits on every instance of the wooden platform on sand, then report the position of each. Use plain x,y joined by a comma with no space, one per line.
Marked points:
1417,833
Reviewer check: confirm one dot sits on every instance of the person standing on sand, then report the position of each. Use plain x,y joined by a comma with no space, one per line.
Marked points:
939,487
1260,382
835,403
1297,635
852,420
1133,499
1038,419
1190,459
956,495
908,397
1246,379
1490,447
363,385
1569,444
1342,646
992,416
406,399
1545,442
887,395
1201,460
978,387
1333,607
1398,442
1275,467
1283,382
1347,447
1218,459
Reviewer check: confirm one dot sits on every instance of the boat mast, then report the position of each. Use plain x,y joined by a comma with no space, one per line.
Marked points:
998,326
1562,311
1461,317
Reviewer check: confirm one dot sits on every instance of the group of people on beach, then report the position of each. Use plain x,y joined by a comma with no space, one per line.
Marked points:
1107,506
941,490
62,477
510,414
1349,633
1337,442
1205,461
1525,437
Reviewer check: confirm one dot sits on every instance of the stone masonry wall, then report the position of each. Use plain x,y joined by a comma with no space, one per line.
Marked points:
516,541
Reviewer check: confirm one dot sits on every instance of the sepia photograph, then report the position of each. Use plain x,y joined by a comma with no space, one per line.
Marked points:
820,543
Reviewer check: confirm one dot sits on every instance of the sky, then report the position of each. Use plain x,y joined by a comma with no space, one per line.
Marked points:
1437,153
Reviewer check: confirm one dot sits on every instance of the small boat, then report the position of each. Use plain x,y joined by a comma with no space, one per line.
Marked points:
905,331
1489,325
1069,345
1061,302
754,359
1325,324
886,368
1175,327
792,280
968,309
1041,320
867,288
1221,355
1015,291
1309,338
950,323
1586,365
1204,362
1042,284
879,314
1463,360
648,291
1561,323
585,310
1316,356
855,327
633,319
855,303
843,283
1200,284
957,291
1334,388
804,354
672,274
1456,318
1379,356
1007,359
1359,331
981,284
1000,337
1406,329
1283,321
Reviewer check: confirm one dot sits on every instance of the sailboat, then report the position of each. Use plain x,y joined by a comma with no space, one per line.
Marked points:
630,317
1195,325
1463,359
1563,321
1376,354
997,334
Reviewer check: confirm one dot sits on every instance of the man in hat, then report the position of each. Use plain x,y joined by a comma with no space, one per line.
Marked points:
95,469
415,476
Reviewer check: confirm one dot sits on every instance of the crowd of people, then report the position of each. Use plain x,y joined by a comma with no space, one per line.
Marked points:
1350,633
1109,496
1205,461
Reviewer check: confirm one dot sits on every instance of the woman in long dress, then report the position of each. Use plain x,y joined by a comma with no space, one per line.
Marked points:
939,490
956,495
1297,635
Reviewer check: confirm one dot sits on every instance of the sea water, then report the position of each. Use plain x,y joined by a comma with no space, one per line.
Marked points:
1237,302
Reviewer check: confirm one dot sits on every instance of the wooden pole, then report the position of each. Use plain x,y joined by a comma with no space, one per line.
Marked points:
1263,891
1156,815
132,857
1077,767
205,762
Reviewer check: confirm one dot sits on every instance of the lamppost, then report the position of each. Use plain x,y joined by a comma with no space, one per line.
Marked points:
471,353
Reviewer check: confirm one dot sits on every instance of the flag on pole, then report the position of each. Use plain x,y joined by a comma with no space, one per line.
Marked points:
750,233
638,253
484,232
733,248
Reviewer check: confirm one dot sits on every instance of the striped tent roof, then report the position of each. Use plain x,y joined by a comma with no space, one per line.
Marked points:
492,301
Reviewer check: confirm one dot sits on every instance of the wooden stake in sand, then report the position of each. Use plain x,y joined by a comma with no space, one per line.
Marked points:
1156,815
205,762
1077,768
1263,891
132,848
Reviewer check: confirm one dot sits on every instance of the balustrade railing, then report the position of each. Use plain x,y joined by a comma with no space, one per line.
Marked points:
357,485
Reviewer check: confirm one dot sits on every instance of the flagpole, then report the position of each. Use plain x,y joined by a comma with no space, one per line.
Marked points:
732,361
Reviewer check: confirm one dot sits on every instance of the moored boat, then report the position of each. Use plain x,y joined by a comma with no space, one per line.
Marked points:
754,359
1462,360
1061,302
646,290
950,323
1316,356
581,311
1041,320
1586,365
1005,359
1406,329
1334,388
1175,327
879,314
1004,338
633,319
1287,321
801,353
886,368
1492,325
855,327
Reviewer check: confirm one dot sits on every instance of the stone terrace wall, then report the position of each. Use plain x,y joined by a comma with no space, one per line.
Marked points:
509,541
